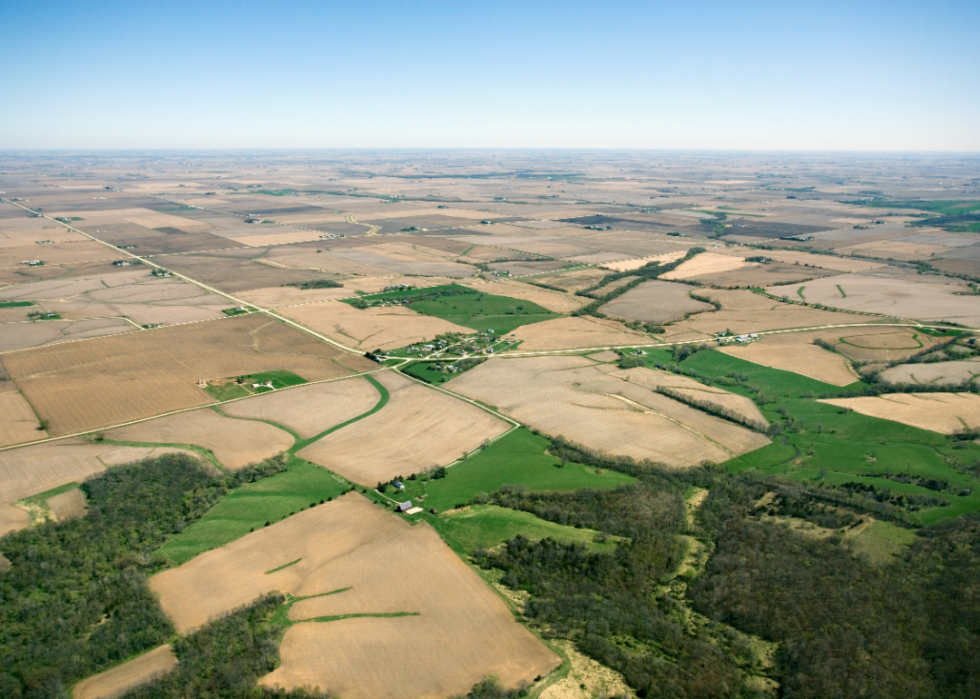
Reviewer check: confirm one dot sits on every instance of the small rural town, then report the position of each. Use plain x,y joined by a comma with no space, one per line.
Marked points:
609,411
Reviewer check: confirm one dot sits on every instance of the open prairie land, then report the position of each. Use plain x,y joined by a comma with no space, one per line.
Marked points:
614,412
85,385
309,410
939,412
896,294
124,678
656,302
798,355
433,429
433,630
372,328
234,442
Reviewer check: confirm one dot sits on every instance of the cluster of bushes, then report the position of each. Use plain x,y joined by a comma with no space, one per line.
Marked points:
316,284
714,409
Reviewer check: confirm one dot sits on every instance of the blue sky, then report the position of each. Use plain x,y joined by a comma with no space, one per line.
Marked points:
689,75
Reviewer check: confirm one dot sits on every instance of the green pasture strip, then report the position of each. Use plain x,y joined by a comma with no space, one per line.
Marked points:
39,498
842,294
382,401
467,250
206,453
338,617
518,458
772,382
228,391
249,507
277,425
488,526
799,292
284,566
948,207
884,540
281,615
428,373
15,304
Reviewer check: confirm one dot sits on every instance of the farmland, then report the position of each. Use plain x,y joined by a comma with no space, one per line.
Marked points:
358,541
673,512
59,381
435,430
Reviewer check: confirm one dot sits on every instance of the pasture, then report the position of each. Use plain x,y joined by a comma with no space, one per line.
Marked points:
435,629
517,458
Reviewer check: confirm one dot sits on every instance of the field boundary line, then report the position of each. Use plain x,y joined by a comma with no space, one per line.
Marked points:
693,431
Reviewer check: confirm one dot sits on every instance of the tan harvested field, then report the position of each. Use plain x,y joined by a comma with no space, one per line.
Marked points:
894,250
460,630
572,333
67,505
300,258
801,357
760,276
936,373
604,356
893,293
546,298
573,281
806,259
282,296
85,385
432,428
18,423
286,237
235,443
141,217
747,312
134,294
708,263
36,469
607,409
406,258
637,262
124,678
309,410
656,302
27,334
939,412
371,328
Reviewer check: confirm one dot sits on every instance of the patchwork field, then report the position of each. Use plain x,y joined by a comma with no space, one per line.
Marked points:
433,430
433,630
235,443
86,385
939,412
800,356
309,410
900,295
606,409
371,328
133,294
124,678
656,302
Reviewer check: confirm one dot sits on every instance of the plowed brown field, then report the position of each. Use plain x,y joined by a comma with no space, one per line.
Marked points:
128,676
309,410
607,409
235,443
419,429
570,333
459,631
86,385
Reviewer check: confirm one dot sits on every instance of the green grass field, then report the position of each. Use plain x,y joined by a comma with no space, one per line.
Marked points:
251,506
232,390
427,372
467,307
487,526
517,459
15,304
